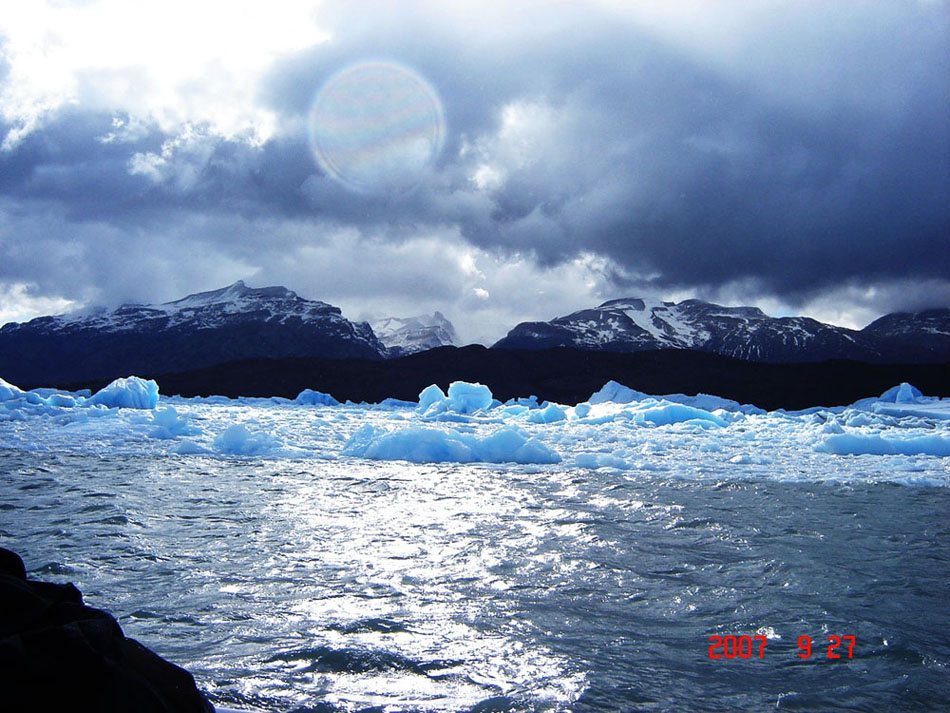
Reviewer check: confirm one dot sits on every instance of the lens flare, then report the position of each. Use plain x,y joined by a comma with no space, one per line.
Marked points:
375,126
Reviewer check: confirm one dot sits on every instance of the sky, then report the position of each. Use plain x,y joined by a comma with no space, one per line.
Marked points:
496,161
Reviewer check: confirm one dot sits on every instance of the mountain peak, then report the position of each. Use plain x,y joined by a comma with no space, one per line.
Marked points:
231,323
232,293
409,335
635,324
638,304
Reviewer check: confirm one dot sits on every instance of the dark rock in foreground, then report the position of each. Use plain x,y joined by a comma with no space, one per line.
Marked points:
56,653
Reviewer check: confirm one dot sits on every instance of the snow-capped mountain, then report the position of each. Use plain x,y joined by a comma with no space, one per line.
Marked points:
410,335
631,324
235,322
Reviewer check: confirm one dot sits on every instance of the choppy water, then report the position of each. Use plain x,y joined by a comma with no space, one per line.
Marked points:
350,585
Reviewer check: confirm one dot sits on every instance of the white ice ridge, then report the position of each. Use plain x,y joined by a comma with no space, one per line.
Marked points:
617,428
129,392
419,444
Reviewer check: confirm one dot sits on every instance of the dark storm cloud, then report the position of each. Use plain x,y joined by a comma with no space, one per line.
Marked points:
698,176
814,153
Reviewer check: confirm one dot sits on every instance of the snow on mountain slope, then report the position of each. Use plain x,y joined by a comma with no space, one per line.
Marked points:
204,310
410,335
633,324
235,322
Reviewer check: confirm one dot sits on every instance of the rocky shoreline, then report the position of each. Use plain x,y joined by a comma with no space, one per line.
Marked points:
57,653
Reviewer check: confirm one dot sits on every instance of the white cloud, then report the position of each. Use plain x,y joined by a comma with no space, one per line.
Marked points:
174,62
18,304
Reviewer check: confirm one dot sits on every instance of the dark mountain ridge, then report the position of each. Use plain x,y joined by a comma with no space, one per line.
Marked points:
632,324
235,322
238,323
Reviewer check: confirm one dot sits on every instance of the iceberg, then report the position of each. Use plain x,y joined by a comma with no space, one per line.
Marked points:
309,397
870,444
905,400
129,392
664,414
617,393
168,424
238,440
903,393
549,414
613,392
8,391
462,398
419,444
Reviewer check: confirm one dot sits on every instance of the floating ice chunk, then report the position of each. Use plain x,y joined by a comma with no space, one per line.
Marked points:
8,391
549,414
582,410
462,398
600,460
708,402
391,403
903,393
309,397
746,459
512,445
616,393
468,398
59,400
168,424
431,396
416,444
832,426
186,447
858,444
612,392
664,414
130,392
220,400
420,444
237,440
530,403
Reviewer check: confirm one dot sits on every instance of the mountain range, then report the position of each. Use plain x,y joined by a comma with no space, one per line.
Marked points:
411,335
235,322
632,325
239,322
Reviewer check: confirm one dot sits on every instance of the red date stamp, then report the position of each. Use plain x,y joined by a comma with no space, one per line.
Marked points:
746,647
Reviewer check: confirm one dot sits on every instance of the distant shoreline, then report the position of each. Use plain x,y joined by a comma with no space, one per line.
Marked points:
563,375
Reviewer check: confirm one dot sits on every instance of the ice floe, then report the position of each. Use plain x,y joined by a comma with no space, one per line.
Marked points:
420,444
901,436
130,392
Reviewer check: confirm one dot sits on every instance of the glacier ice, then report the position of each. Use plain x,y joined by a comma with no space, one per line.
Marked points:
431,396
462,398
871,444
664,414
549,414
614,392
309,397
902,394
236,439
128,392
618,428
420,444
168,424
9,391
